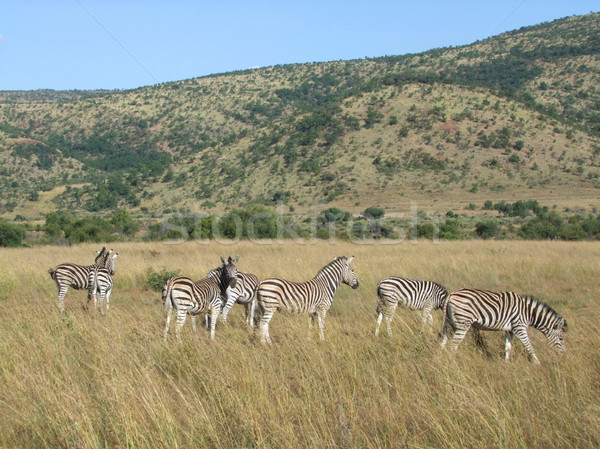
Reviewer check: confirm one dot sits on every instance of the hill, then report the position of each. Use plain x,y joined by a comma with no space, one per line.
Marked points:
515,116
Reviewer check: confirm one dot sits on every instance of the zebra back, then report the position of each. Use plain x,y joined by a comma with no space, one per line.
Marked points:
414,294
182,293
100,278
504,311
306,297
203,295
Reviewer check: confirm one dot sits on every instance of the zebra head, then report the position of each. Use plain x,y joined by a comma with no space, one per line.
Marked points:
555,334
348,276
100,256
109,263
229,271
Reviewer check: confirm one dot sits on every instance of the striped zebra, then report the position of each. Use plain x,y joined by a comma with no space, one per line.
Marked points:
205,296
312,298
244,293
415,295
76,276
504,311
100,281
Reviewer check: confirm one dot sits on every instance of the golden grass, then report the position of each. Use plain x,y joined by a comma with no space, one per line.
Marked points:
83,380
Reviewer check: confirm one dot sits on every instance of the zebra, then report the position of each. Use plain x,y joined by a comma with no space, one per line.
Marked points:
204,296
312,298
504,311
244,293
100,281
415,295
76,276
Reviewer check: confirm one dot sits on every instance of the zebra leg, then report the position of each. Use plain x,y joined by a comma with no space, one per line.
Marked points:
180,316
321,322
102,301
263,326
507,344
521,333
459,336
247,307
447,331
168,310
214,315
379,319
252,306
231,298
193,318
388,315
426,316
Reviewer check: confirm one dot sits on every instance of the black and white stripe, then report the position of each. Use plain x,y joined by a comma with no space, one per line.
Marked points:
502,311
100,281
244,293
76,276
204,296
312,298
412,294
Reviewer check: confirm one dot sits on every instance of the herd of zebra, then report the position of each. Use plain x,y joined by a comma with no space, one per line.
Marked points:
225,286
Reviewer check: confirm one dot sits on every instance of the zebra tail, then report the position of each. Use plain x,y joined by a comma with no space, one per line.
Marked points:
167,300
447,323
93,284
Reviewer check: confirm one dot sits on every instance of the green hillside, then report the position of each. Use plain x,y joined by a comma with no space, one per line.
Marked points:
515,116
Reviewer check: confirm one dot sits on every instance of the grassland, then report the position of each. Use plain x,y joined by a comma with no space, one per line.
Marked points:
82,380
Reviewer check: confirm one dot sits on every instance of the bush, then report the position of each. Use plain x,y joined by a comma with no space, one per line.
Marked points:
11,234
374,212
486,229
450,230
155,280
88,229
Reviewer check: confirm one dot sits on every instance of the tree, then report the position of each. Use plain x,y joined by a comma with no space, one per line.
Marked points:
11,235
123,222
374,212
486,229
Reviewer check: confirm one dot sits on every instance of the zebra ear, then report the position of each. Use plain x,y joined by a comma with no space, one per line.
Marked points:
561,324
223,260
115,256
350,260
235,260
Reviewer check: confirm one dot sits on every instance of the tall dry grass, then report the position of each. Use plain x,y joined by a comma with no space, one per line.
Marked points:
83,380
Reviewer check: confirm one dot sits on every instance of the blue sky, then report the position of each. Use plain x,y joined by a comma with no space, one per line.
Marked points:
109,44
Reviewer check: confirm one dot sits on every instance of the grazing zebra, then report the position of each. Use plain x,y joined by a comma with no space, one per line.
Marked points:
205,296
415,295
312,298
505,311
100,281
76,276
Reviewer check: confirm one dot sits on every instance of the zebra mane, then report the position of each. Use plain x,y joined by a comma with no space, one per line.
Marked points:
330,266
542,315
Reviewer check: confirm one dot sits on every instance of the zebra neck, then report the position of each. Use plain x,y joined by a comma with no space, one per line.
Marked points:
538,313
331,278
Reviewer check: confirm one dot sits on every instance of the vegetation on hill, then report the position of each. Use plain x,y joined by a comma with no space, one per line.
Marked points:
515,116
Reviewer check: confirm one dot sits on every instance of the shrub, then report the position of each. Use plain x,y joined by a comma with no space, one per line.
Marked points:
11,234
155,280
486,229
374,212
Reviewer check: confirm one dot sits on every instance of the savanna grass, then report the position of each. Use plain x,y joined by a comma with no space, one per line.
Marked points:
83,380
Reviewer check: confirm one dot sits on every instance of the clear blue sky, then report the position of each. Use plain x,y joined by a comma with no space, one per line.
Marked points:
110,44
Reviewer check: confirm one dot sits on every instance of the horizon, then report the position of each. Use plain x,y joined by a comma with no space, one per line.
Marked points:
112,46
